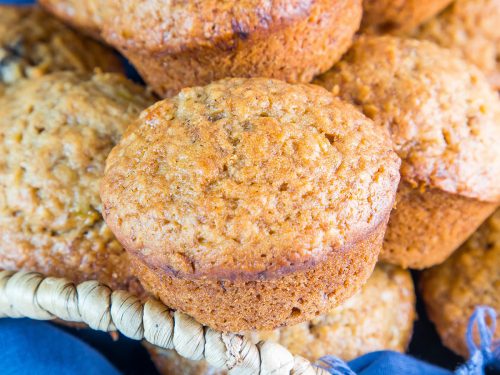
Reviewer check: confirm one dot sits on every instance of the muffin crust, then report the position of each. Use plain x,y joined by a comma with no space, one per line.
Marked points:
56,132
181,44
397,16
379,317
470,28
471,277
33,43
251,180
444,120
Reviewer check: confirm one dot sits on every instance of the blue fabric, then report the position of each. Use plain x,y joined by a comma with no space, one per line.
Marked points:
32,347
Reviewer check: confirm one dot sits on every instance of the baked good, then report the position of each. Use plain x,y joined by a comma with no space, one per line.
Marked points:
33,43
55,134
444,120
379,317
254,203
469,27
398,16
181,44
471,277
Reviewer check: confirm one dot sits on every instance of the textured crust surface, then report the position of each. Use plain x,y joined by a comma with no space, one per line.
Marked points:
83,15
195,42
470,27
56,132
443,116
471,277
379,317
427,226
247,179
32,44
235,306
381,16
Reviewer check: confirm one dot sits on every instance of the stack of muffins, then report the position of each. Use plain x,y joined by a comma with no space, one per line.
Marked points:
249,198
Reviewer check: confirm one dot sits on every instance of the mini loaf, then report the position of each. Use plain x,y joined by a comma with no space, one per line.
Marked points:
180,44
469,27
397,16
470,278
33,43
251,203
55,134
379,317
444,120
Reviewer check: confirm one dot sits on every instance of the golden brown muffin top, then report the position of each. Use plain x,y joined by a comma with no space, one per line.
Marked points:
33,43
247,178
396,16
471,277
443,116
379,317
470,27
175,26
55,134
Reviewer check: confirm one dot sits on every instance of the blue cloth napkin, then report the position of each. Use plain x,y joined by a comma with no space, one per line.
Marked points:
35,347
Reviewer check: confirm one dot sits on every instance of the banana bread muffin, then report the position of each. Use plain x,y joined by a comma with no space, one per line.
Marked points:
379,317
444,120
186,43
33,43
251,203
56,132
396,16
469,27
471,277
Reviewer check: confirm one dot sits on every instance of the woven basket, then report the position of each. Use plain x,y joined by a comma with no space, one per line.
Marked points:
32,295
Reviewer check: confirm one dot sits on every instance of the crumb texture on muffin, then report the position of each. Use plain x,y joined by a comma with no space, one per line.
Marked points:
469,27
443,116
471,277
55,134
247,178
33,43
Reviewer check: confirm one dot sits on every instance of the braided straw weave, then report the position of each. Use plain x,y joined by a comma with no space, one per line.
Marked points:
32,295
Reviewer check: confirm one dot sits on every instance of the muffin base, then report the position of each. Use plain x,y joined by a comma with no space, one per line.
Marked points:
235,306
426,227
294,53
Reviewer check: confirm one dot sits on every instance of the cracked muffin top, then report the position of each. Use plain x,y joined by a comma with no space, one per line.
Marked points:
247,178
468,279
443,116
33,43
175,26
55,134
469,27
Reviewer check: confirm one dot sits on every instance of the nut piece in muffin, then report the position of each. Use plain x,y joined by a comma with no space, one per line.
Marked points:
379,317
251,203
56,132
33,43
444,120
471,277
469,27
187,43
396,16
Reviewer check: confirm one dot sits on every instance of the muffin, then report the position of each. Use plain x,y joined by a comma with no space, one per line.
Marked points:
379,317
471,277
56,132
181,44
251,203
32,44
444,120
390,16
469,27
